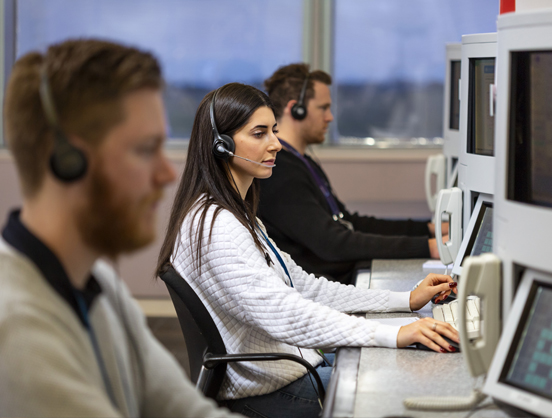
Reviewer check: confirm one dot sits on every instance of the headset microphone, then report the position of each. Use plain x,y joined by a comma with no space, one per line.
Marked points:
231,154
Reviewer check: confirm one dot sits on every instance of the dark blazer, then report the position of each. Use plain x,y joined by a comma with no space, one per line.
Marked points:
299,219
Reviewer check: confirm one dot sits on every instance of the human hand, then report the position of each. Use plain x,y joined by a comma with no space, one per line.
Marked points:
444,228
430,286
429,332
433,250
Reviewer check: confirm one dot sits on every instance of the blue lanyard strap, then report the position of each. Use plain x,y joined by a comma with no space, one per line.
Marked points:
277,254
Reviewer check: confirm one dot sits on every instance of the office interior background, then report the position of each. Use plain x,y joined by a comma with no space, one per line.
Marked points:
387,58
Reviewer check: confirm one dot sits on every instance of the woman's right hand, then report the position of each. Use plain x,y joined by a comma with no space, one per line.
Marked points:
429,332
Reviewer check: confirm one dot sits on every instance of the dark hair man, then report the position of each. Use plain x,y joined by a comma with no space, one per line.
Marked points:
298,206
85,124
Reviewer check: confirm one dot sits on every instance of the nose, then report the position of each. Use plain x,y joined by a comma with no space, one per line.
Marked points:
165,173
329,116
274,143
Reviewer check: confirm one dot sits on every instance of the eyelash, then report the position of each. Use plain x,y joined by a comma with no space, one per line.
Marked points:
147,150
259,135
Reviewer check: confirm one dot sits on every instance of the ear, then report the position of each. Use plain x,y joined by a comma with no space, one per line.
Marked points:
289,105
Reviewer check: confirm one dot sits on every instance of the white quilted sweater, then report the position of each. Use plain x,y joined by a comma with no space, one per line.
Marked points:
257,311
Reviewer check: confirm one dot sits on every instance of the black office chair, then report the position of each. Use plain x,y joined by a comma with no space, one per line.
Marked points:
206,350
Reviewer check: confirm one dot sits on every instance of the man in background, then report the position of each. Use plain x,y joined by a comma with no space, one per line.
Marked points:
86,126
299,208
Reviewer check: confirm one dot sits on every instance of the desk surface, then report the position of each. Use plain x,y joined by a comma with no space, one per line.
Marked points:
373,382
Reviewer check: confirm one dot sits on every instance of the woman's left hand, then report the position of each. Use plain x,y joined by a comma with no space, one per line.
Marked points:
429,287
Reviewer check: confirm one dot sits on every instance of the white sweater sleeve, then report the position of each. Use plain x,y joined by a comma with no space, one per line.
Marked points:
237,279
345,298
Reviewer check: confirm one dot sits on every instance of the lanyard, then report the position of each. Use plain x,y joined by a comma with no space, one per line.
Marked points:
277,254
336,213
95,345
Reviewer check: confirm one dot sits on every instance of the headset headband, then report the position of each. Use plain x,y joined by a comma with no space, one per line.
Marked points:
304,90
212,115
46,99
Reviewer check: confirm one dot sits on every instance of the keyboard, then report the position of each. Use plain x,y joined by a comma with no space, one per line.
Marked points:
450,313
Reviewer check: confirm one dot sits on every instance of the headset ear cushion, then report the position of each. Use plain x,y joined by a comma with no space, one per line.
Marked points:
227,143
298,111
68,163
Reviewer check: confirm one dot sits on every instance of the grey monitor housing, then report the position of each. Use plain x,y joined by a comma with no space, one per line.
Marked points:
451,114
521,370
476,166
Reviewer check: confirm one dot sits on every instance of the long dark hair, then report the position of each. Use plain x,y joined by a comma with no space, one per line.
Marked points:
205,175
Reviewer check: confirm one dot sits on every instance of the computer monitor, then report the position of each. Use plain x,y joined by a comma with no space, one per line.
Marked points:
476,168
451,114
442,170
523,148
521,371
480,118
531,109
478,237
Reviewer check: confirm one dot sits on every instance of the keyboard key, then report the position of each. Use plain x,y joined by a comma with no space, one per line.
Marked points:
472,309
438,313
450,313
454,310
447,314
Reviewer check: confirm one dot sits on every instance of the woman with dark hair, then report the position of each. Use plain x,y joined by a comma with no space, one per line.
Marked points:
260,300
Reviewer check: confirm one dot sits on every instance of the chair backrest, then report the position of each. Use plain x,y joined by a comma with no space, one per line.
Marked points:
200,332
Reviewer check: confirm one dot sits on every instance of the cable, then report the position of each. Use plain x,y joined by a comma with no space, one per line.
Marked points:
479,408
445,403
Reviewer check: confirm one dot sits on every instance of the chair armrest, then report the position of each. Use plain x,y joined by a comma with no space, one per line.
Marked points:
211,361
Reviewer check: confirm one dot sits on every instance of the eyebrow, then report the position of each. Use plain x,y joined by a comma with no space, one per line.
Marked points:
263,127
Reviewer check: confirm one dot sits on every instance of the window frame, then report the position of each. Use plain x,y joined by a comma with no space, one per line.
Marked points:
318,45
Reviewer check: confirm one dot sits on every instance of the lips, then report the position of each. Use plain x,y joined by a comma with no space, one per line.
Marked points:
269,162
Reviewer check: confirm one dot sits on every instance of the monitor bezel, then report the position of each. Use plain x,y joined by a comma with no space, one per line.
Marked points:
494,384
469,237
470,140
451,137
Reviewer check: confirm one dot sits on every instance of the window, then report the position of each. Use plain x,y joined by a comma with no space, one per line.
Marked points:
389,65
202,44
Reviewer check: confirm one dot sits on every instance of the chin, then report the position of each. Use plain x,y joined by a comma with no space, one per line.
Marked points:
266,174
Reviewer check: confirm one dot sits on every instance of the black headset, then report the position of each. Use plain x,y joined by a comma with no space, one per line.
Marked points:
223,145
299,110
67,162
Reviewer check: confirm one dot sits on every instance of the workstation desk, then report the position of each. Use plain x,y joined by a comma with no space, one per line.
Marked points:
373,381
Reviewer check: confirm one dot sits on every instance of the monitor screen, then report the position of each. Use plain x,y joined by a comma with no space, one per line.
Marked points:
529,362
480,121
484,239
530,133
454,108
480,238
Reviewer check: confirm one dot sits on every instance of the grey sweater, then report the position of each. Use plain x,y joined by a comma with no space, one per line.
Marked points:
47,364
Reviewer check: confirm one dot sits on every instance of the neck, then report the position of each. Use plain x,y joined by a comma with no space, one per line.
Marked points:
289,131
243,183
55,226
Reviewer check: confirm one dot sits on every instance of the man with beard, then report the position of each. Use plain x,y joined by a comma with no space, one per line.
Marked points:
298,206
86,126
